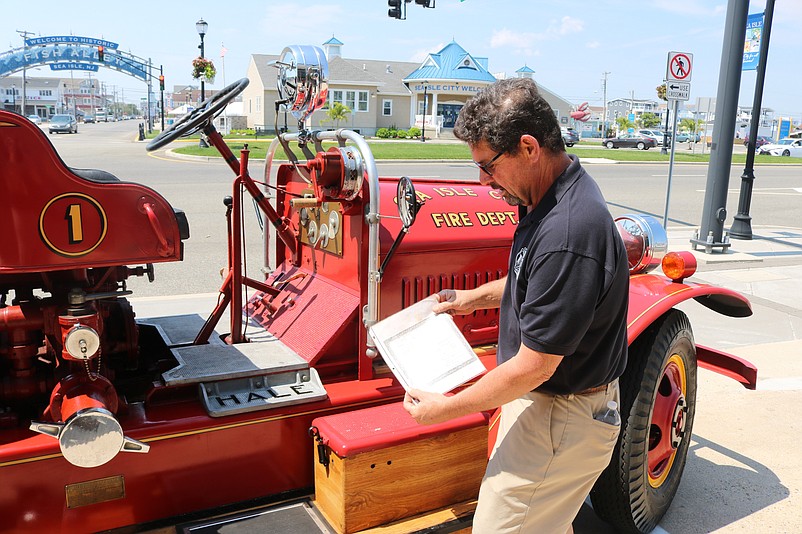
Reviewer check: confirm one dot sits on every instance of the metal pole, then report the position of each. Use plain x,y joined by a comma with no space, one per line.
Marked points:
604,119
423,132
670,161
714,212
665,137
150,89
161,91
742,222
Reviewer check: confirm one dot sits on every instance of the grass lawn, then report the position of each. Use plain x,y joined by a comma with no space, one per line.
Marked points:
416,150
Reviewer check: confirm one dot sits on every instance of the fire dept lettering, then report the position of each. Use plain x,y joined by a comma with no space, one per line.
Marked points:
455,191
463,219
452,219
496,218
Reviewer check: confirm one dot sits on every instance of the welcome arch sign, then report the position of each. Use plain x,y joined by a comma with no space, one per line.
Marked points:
72,52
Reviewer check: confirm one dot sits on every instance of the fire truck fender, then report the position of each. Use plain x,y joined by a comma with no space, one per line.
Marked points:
652,296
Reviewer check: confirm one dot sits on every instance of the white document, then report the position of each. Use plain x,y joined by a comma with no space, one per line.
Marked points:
425,350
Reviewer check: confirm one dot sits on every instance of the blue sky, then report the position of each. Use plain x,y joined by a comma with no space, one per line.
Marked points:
569,44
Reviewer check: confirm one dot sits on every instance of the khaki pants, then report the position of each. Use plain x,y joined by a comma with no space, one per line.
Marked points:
548,454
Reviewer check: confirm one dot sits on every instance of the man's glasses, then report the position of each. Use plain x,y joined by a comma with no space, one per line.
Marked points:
487,168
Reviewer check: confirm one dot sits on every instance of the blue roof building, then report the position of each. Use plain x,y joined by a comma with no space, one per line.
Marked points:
386,94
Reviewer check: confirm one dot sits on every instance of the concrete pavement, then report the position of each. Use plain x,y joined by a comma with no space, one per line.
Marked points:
743,471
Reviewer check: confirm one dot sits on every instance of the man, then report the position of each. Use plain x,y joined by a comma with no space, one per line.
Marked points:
562,333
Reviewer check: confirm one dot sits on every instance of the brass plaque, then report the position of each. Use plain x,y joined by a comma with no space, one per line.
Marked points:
95,491
322,227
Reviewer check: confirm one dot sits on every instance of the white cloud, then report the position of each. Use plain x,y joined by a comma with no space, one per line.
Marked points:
593,44
566,26
524,42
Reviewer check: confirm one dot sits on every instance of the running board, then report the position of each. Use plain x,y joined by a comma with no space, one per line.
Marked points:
303,516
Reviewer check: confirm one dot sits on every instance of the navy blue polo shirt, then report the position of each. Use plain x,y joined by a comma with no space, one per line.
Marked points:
568,286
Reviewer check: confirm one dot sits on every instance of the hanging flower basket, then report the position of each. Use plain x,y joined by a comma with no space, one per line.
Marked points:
203,68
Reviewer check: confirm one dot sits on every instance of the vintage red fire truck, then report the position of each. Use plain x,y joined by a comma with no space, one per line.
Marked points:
284,415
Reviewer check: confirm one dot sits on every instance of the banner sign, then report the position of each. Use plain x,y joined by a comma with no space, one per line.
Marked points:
754,31
70,39
65,57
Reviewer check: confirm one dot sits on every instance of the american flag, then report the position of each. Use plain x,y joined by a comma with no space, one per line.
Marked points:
223,50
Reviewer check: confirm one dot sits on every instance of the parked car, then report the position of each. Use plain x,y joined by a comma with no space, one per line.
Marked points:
36,119
783,147
760,140
628,140
657,135
570,136
89,118
63,123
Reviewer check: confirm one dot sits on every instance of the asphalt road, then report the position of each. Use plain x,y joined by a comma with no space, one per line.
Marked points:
743,466
198,187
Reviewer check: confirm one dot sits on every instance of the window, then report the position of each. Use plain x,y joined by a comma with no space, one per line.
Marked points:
258,104
45,92
387,108
353,100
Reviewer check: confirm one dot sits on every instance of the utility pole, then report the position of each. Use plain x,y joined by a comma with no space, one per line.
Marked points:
24,34
604,91
714,213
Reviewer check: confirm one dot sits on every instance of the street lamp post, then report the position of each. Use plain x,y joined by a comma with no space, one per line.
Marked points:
202,26
14,97
425,97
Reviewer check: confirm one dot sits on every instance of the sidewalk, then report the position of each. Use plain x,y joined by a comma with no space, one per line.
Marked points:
742,473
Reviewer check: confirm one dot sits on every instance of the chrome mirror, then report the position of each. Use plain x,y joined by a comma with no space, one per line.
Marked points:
302,79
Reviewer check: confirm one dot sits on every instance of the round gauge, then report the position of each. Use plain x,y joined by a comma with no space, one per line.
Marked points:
407,201
304,215
324,236
311,232
334,222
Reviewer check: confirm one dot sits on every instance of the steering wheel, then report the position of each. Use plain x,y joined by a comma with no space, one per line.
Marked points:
198,117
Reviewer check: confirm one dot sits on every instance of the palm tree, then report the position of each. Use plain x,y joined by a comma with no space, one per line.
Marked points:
337,112
623,123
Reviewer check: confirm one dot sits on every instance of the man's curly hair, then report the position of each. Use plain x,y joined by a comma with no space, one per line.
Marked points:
501,113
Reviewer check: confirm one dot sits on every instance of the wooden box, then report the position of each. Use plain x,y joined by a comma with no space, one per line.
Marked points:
382,466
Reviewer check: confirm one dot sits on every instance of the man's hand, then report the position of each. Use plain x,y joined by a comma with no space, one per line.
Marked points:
427,408
454,302
465,301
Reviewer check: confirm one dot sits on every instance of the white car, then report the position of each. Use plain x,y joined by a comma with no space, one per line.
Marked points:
783,147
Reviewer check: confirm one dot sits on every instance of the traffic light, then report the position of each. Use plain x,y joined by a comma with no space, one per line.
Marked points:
100,54
161,82
395,9
425,3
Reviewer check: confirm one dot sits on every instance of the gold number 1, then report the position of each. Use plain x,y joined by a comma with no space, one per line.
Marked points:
75,229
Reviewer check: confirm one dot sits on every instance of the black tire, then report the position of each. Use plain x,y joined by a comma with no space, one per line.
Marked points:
786,152
569,145
641,146
610,144
636,489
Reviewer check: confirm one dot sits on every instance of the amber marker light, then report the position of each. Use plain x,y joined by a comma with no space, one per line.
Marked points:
679,265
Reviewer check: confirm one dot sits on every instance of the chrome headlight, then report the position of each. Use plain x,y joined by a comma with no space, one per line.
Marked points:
645,241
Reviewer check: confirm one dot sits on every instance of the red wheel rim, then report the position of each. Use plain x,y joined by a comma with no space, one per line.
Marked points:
667,427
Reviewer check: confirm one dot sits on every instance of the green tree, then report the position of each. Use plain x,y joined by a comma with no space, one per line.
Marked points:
337,112
691,125
649,120
661,91
624,124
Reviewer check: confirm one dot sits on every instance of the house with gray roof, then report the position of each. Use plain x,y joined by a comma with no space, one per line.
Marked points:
384,94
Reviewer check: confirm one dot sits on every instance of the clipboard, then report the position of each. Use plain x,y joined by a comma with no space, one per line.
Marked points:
424,350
